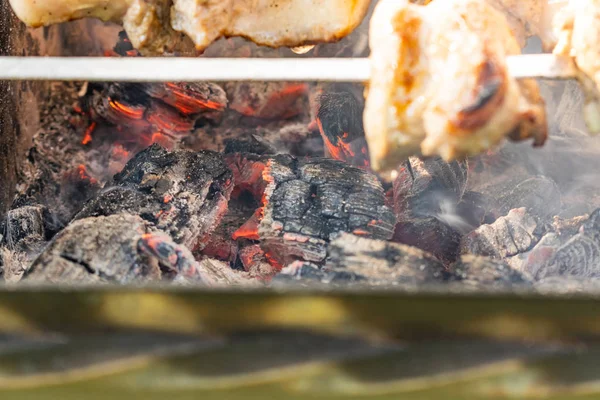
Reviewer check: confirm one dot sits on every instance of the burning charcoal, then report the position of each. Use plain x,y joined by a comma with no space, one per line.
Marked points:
430,187
426,197
189,98
267,100
382,263
255,263
537,258
474,209
339,118
119,248
148,110
485,272
431,235
304,202
508,236
579,256
539,195
182,193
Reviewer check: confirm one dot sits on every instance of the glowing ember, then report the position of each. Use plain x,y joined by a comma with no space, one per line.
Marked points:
87,137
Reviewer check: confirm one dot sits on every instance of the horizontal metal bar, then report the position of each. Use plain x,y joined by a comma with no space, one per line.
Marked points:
165,69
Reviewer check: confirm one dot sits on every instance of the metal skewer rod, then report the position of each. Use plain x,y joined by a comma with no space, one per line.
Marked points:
165,69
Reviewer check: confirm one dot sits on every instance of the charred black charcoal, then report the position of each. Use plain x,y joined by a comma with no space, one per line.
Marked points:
579,256
426,195
119,249
485,272
507,236
426,187
253,144
382,263
23,234
339,119
24,228
475,209
431,235
182,193
123,47
539,195
304,202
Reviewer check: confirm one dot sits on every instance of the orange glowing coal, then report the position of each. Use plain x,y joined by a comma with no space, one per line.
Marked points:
130,112
87,136
84,176
249,230
188,104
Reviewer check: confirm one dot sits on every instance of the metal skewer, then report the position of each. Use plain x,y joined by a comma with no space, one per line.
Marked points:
140,69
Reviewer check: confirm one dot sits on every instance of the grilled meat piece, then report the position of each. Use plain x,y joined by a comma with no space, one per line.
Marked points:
578,33
156,26
440,84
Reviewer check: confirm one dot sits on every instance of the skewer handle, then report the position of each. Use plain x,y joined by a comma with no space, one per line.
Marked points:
167,69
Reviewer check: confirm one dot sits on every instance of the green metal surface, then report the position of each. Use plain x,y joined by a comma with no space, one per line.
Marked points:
178,343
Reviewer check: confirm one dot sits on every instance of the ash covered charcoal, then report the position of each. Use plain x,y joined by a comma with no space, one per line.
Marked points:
426,197
486,272
339,120
120,248
221,274
510,235
23,234
579,256
382,263
304,202
539,195
182,193
308,274
530,262
25,228
428,187
268,100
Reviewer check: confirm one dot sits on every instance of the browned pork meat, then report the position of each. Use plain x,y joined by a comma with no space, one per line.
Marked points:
440,84
158,26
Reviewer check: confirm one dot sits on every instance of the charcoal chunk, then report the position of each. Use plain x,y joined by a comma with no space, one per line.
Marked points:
485,272
539,195
579,256
182,193
304,202
508,236
382,263
120,248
